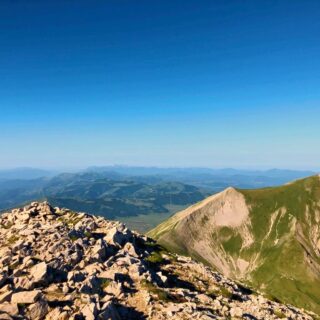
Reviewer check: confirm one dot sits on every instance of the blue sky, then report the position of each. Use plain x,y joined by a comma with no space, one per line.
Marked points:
167,83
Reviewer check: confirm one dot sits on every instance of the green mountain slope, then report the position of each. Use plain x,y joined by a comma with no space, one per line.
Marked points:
269,238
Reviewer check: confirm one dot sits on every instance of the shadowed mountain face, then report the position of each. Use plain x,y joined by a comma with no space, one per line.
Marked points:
267,237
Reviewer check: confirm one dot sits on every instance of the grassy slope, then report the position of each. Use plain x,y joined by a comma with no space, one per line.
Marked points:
285,273
283,247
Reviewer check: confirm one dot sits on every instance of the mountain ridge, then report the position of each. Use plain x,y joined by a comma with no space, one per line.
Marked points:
114,195
59,264
274,244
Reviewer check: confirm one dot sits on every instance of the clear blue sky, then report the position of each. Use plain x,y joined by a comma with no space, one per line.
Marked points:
168,83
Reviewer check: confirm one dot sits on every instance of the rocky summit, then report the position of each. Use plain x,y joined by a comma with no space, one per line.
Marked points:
57,264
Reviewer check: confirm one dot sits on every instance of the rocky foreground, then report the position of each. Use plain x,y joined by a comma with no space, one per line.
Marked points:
58,264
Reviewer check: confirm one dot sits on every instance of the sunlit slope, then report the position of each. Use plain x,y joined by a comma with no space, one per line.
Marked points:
268,237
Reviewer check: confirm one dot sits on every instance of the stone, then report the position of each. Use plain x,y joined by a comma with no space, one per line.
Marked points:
129,247
114,288
5,260
98,252
3,279
5,316
108,274
115,237
109,312
236,312
162,277
5,288
172,309
6,296
23,283
65,288
204,298
99,270
57,314
24,217
93,268
90,286
26,296
18,245
9,308
38,310
76,276
39,273
89,311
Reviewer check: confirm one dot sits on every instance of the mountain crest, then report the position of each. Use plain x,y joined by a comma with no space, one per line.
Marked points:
59,264
266,237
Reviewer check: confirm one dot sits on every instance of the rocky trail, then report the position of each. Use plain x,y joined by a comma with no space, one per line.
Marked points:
57,264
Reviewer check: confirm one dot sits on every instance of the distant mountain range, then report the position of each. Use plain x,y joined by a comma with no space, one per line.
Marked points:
101,194
213,180
140,196
268,237
25,173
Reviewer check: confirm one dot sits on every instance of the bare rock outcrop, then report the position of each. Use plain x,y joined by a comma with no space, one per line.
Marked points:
58,264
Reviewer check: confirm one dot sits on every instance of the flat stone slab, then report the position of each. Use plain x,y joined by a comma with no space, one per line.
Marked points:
26,296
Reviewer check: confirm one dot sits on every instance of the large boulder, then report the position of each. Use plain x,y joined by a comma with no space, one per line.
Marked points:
9,308
26,297
40,273
38,310
118,237
90,286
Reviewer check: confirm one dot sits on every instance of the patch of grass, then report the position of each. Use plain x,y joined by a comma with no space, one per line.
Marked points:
233,245
279,314
273,298
221,291
151,244
160,293
74,237
87,234
13,239
7,226
172,257
245,289
212,293
154,246
73,221
60,213
226,293
62,219
225,232
104,283
155,257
